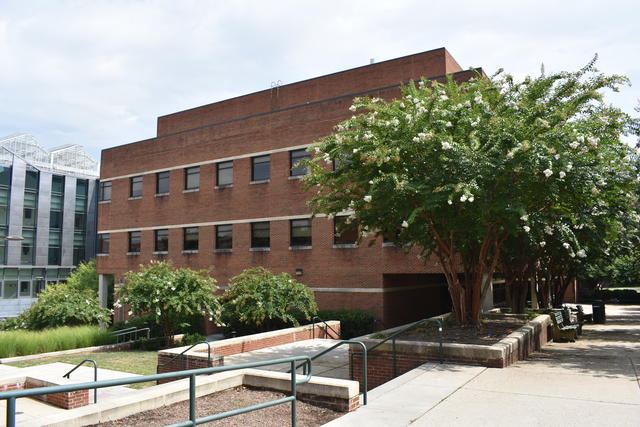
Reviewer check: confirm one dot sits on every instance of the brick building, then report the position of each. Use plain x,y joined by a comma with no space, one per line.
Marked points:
217,189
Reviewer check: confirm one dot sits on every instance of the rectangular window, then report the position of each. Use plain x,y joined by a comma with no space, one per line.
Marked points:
104,191
103,243
192,178
162,182
80,221
5,176
161,240
10,289
54,248
224,174
135,186
295,157
300,232
224,236
25,288
31,181
29,217
57,184
260,235
191,239
82,188
344,233
134,241
260,168
28,243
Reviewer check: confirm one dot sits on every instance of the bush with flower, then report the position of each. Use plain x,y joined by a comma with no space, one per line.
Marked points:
171,295
453,167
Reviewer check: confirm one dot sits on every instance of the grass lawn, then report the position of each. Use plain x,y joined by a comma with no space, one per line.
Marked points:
135,362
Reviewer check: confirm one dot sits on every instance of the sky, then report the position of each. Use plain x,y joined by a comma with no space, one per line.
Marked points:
99,73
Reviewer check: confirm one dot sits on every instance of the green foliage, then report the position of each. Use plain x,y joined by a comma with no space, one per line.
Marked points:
190,339
457,168
623,296
22,343
84,277
175,298
258,300
353,323
62,305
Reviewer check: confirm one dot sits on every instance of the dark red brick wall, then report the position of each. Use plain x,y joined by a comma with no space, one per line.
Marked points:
66,400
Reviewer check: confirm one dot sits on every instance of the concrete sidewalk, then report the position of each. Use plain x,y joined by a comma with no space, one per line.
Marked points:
592,382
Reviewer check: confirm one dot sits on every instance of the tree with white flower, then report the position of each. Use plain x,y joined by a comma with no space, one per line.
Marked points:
171,295
474,158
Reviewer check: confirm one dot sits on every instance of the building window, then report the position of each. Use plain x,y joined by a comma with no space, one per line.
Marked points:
25,288
162,182
343,232
191,239
104,191
10,290
260,235
134,242
260,168
80,220
224,236
224,174
103,243
31,180
295,157
192,178
5,181
300,232
27,248
135,186
161,240
57,184
54,247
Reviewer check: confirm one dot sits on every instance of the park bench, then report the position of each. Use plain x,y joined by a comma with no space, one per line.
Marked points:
583,318
567,321
562,331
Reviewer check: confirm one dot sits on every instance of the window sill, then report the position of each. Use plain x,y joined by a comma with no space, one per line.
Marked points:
345,246
259,249
190,190
300,248
263,181
133,253
292,178
388,245
222,251
102,254
135,198
190,251
104,202
161,194
160,253
222,187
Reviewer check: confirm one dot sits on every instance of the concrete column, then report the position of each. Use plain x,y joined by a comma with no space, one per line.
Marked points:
44,211
16,207
68,220
103,288
92,220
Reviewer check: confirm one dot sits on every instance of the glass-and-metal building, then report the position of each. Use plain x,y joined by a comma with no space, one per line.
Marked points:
48,211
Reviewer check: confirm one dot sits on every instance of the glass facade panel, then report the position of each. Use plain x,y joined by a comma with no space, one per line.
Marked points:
5,176
25,288
31,180
10,289
57,184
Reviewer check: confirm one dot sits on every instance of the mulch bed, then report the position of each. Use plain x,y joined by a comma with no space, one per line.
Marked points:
227,400
491,331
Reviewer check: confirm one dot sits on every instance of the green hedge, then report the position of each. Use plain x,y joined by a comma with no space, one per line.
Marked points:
625,296
353,323
22,342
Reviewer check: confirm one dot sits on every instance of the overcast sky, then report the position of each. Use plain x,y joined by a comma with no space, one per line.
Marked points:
99,73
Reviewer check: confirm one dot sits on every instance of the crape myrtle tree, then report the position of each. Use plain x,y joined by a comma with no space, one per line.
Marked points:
455,169
170,294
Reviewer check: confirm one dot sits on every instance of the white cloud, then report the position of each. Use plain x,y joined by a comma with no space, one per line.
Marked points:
99,73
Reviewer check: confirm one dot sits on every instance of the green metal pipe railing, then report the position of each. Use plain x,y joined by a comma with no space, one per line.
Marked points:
327,326
95,375
11,396
128,332
160,365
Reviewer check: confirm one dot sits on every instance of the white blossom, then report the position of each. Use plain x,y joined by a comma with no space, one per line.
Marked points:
371,181
574,144
443,97
566,245
595,191
510,155
448,124
445,145
130,312
562,174
593,141
450,201
526,228
582,253
524,217
463,198
474,124
543,244
557,156
355,150
547,172
416,139
470,199
405,224
408,117
572,255
367,198
548,230
352,108
580,138
569,167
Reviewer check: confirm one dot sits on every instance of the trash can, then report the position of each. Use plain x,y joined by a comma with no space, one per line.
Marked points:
599,315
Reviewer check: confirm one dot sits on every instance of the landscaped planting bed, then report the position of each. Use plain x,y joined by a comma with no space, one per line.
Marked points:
230,399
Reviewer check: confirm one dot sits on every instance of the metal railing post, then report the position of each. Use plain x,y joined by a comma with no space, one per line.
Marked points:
395,363
11,412
192,399
365,374
293,393
95,376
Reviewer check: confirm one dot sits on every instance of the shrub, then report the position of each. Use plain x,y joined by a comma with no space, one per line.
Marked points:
353,323
60,305
626,296
22,343
84,277
190,339
258,300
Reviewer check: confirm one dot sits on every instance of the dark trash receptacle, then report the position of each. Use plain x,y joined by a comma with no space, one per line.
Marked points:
599,315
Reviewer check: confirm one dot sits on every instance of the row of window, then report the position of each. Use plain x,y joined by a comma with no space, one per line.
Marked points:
300,236
260,171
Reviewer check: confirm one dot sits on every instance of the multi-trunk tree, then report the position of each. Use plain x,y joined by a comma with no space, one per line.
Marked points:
456,169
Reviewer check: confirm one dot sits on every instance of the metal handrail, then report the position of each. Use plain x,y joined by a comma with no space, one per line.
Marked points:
95,375
11,396
364,365
160,365
313,330
393,336
129,331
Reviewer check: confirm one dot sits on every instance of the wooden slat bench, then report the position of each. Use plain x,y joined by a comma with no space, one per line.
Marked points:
562,331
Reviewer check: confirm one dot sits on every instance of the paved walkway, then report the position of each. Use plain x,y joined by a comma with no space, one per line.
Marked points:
592,382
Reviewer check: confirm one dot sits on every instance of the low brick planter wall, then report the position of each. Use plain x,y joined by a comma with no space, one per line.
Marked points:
411,354
66,400
197,357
